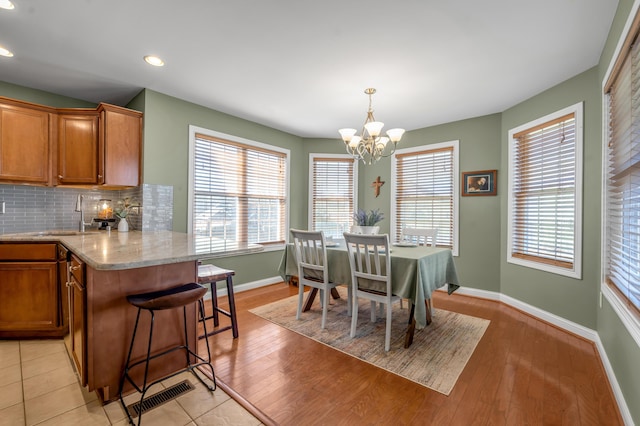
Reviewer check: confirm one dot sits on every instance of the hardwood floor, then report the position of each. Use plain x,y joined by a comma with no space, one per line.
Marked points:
523,371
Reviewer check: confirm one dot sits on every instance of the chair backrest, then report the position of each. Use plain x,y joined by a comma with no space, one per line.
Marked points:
311,254
370,261
420,234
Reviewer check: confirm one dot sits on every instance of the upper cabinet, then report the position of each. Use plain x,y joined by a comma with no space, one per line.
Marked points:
77,148
120,146
25,143
87,147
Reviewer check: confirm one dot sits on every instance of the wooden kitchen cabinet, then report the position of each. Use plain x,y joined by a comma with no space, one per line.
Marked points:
25,142
29,290
41,145
78,148
120,146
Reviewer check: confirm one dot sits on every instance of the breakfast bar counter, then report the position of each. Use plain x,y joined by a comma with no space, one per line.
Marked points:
103,269
114,250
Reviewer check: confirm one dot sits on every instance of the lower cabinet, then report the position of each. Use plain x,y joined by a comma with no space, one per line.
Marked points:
29,290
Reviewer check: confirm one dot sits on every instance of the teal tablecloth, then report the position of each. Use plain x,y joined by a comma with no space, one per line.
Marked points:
416,272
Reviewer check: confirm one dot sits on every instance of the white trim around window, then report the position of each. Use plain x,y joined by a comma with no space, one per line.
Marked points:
575,268
347,218
627,316
194,131
428,150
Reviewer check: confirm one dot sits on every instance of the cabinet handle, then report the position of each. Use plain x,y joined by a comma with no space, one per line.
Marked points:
59,176
99,176
75,268
68,284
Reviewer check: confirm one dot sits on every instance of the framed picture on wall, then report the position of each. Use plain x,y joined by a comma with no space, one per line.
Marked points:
479,183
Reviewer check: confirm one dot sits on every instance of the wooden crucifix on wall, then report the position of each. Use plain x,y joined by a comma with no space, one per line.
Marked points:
376,186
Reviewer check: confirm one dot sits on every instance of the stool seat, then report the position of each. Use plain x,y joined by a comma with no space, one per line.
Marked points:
212,273
170,298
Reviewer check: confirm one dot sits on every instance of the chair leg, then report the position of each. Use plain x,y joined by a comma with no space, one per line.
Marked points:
300,299
354,314
387,336
325,306
349,301
373,311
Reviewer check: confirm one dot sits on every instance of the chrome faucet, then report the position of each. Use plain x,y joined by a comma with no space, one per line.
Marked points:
79,208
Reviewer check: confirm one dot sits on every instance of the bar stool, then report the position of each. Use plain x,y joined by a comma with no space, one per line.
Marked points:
210,274
176,297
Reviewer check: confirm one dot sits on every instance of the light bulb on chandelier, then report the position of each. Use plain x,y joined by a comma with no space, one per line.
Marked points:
370,146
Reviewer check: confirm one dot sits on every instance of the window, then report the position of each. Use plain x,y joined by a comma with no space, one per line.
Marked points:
425,190
237,190
622,179
332,187
545,193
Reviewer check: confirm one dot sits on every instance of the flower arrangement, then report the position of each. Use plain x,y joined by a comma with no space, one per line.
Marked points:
363,218
123,207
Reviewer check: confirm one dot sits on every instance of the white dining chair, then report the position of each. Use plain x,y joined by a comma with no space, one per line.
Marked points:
313,271
418,235
370,262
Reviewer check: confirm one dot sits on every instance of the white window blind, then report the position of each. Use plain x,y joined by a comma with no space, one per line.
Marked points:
622,259
544,182
425,192
332,189
239,191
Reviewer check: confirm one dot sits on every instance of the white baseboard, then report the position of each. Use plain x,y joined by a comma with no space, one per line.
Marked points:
584,332
247,286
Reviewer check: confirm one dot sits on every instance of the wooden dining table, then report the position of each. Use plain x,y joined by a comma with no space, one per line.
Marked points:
416,272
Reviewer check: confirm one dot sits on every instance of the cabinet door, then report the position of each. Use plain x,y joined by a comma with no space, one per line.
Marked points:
24,145
78,328
78,149
78,317
121,133
28,296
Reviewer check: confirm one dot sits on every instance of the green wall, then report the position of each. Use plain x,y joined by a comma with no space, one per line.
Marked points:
569,298
9,90
166,149
478,262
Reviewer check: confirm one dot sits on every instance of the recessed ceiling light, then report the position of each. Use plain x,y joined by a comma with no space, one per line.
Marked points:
6,4
5,52
154,60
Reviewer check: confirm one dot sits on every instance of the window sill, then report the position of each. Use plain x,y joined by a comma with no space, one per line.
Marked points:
628,318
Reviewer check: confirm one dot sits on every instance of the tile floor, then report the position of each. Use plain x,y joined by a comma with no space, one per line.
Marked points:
38,386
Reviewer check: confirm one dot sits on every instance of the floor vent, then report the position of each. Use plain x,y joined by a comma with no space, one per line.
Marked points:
160,398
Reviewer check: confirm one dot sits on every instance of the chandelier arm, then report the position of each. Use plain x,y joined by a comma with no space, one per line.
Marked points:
393,150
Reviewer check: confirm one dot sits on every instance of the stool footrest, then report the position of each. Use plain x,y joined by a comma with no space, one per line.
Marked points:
211,333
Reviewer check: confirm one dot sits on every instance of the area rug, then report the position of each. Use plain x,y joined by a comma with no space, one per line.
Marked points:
435,359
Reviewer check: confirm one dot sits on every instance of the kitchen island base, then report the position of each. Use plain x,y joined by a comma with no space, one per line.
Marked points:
110,321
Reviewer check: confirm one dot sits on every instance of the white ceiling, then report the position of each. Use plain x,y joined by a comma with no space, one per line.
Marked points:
301,66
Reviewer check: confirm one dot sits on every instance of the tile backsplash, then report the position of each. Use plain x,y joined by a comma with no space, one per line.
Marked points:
34,208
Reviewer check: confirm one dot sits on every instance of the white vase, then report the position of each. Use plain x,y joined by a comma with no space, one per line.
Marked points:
365,230
123,225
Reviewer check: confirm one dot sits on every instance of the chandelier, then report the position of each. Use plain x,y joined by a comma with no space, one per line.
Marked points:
370,147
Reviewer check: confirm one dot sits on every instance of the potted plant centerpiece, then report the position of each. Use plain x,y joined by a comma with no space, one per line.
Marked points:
366,222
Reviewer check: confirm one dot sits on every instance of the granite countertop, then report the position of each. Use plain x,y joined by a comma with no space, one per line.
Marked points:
114,250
